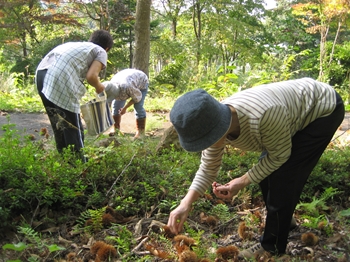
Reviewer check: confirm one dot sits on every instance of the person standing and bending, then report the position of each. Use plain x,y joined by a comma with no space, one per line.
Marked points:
128,83
59,80
290,123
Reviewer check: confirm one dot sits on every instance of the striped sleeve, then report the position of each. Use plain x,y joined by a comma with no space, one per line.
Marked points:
208,170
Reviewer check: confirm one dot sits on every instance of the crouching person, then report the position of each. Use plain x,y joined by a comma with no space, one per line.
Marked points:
133,84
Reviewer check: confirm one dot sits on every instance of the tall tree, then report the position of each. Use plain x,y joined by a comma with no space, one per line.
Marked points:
118,17
171,10
244,37
197,9
290,47
142,36
98,11
19,20
321,17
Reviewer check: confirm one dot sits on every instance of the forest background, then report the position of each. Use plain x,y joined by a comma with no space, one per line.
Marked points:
221,46
52,207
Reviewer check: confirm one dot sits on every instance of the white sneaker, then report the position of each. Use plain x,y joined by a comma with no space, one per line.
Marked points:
252,251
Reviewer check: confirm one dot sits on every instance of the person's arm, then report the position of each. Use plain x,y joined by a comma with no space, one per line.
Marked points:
205,175
122,111
211,160
92,76
231,188
179,215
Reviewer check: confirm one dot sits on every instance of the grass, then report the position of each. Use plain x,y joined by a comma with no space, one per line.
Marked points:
155,122
347,108
135,180
21,102
28,101
19,97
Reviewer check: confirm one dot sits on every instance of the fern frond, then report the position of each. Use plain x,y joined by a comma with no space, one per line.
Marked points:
31,235
91,220
329,193
222,212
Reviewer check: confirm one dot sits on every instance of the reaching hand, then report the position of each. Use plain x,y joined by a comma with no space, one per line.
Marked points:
122,111
178,217
230,189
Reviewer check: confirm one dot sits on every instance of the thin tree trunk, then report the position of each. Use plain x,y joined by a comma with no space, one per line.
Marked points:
142,36
197,27
334,43
323,51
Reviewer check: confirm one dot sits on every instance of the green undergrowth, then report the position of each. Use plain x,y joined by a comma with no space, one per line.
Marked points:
130,176
25,99
136,181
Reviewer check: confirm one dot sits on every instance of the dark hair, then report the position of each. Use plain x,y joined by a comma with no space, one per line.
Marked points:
102,38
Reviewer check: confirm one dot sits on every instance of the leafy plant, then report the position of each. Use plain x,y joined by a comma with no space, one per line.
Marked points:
318,205
320,223
332,170
35,245
345,213
170,74
222,212
91,220
123,239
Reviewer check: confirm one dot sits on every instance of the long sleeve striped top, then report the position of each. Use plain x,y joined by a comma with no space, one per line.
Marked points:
269,115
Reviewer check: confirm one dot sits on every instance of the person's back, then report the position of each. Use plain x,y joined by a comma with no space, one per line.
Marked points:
128,83
67,66
73,54
60,82
301,101
131,78
290,123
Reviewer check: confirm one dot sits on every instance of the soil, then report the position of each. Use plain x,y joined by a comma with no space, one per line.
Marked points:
31,123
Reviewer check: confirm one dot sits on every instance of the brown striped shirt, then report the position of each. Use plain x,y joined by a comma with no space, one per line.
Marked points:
269,115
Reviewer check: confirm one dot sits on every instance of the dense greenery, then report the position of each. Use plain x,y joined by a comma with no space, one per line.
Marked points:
136,181
221,46
189,48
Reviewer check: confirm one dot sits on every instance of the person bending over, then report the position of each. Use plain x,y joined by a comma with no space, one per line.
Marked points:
128,83
59,80
289,122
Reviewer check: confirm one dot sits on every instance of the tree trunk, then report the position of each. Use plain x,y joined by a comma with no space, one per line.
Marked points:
142,36
323,51
197,26
131,55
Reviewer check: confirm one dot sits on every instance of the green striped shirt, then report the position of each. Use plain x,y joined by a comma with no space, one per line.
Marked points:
269,115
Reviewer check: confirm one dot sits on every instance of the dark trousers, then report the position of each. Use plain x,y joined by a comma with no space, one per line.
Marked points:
67,127
282,189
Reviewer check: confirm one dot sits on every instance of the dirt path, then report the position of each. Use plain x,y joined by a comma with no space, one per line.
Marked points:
156,123
31,123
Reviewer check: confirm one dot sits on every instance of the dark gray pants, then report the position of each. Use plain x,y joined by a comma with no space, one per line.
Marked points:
67,127
282,189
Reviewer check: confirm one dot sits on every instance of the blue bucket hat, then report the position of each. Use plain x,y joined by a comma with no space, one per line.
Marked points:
200,120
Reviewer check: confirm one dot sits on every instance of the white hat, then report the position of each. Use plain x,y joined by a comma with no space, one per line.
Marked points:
112,90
